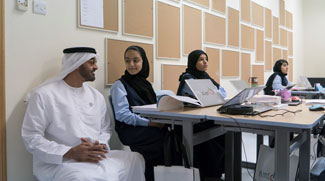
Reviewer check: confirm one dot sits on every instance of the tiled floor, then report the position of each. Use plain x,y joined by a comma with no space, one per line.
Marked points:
249,145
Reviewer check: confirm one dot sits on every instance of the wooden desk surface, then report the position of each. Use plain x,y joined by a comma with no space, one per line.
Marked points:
304,119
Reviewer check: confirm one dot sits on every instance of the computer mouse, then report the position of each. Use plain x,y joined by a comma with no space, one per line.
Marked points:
295,99
316,107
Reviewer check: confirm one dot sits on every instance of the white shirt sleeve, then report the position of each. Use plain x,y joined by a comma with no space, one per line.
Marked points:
106,130
121,107
34,125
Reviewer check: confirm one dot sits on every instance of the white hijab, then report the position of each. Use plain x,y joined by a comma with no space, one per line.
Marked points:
70,62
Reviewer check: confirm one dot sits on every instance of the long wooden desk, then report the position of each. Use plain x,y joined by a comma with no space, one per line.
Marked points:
280,127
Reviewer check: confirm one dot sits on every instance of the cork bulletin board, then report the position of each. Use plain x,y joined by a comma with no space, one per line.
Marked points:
192,29
138,17
214,63
170,75
168,39
233,27
230,63
245,66
245,10
215,29
110,16
115,66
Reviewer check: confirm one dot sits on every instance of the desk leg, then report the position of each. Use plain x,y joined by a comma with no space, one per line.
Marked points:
188,139
304,158
237,156
233,156
282,149
229,156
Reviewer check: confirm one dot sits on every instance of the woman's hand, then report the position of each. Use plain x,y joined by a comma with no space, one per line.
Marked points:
157,125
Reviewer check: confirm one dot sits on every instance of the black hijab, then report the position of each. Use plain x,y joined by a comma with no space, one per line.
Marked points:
193,57
268,90
139,81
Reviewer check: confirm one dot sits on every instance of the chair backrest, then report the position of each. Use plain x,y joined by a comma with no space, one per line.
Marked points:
111,107
115,141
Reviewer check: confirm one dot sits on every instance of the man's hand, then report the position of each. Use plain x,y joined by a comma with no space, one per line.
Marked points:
87,152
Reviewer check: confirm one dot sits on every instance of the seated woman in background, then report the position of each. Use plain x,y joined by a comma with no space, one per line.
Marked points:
197,66
278,80
133,89
208,156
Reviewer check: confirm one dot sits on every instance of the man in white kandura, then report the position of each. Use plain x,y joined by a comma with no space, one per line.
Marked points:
67,127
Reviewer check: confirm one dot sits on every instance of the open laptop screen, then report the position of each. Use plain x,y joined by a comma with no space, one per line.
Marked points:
244,95
205,91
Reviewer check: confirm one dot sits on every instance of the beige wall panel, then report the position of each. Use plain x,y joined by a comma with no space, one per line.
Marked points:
115,66
276,55
257,14
233,27
214,63
282,13
259,45
247,37
219,5
275,30
268,56
245,66
245,10
192,31
138,17
110,15
290,71
215,29
258,71
204,3
168,25
230,63
285,54
290,42
170,75
283,37
289,20
268,23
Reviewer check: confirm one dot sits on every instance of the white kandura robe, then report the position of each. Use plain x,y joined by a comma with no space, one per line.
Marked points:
56,118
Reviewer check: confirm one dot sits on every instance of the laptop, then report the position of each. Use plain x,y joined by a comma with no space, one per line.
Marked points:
205,92
235,105
239,84
307,85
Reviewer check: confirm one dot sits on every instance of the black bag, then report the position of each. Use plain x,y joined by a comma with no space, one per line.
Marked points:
174,150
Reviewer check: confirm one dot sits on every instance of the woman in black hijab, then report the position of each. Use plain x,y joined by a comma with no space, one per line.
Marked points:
208,156
278,80
133,89
197,66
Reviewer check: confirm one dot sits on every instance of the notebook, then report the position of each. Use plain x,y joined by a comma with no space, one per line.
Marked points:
205,92
235,105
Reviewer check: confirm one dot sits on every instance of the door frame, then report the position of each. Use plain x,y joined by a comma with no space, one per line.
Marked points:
3,157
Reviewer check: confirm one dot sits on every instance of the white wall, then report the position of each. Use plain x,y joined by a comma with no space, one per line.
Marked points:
34,45
314,38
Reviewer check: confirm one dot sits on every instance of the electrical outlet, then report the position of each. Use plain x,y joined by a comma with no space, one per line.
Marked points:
22,5
40,7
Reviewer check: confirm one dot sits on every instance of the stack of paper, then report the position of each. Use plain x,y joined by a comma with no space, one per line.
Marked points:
314,101
168,102
266,99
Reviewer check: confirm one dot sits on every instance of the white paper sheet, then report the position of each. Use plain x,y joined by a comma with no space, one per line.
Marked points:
92,13
314,101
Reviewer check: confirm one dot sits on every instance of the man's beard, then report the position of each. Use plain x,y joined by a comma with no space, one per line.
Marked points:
86,74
